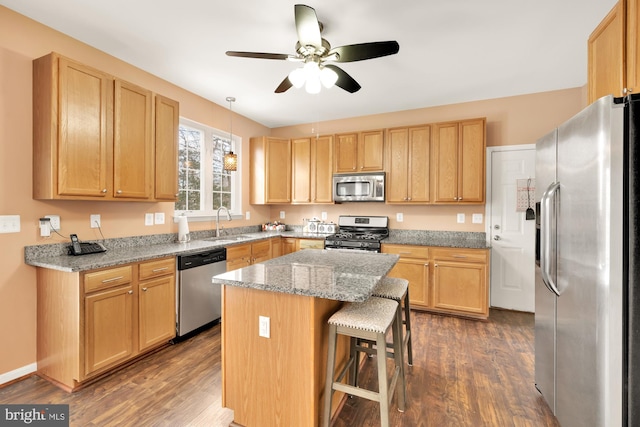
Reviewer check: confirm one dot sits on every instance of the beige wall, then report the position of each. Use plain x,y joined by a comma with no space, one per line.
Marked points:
517,120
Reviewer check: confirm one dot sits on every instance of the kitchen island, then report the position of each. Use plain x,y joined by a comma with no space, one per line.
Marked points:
274,331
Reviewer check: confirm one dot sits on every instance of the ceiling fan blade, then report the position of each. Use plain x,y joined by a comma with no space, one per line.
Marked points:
345,81
307,26
362,51
258,55
284,86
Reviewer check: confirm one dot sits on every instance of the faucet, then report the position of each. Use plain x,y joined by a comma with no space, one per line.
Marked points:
218,219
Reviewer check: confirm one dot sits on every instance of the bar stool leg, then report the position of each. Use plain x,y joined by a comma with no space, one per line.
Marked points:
407,322
398,355
331,364
383,385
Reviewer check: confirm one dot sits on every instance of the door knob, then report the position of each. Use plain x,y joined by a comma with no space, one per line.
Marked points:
496,238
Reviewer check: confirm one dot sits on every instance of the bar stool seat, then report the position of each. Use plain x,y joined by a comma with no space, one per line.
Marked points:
397,289
369,320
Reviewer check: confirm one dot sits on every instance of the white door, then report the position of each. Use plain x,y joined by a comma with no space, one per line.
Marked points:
512,235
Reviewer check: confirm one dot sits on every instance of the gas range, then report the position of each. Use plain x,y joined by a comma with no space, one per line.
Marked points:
359,232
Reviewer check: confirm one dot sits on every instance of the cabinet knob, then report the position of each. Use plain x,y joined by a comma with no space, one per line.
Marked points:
119,191
144,289
435,265
104,190
426,264
455,198
130,292
176,194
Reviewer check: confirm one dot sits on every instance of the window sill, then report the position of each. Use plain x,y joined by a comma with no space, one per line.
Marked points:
205,217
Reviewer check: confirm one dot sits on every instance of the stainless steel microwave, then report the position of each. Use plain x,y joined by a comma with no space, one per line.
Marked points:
358,187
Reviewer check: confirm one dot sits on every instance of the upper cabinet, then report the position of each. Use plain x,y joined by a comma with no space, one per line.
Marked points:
408,164
96,137
458,162
270,170
614,57
312,170
359,152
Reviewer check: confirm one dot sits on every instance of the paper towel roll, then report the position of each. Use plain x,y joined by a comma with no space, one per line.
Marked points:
183,229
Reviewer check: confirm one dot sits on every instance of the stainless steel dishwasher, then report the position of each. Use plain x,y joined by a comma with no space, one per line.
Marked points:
198,299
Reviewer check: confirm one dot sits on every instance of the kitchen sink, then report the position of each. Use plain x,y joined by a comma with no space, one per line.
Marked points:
227,239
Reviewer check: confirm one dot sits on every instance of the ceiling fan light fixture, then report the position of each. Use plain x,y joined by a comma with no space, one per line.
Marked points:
328,77
313,85
297,77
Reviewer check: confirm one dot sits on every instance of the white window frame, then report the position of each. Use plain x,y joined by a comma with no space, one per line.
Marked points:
206,177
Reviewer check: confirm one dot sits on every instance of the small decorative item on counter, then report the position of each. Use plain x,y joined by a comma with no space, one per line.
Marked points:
273,226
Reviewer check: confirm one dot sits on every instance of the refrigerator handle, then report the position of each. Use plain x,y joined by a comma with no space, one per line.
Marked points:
548,236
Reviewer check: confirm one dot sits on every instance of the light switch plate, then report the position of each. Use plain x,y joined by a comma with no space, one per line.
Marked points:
399,217
461,218
247,215
476,218
323,216
159,217
281,214
148,219
9,223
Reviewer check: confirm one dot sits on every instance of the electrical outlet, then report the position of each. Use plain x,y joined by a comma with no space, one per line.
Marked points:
247,215
323,216
399,217
461,218
264,327
159,217
54,221
95,221
476,218
281,214
148,219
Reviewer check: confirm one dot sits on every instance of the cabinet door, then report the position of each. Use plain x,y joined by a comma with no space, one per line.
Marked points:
416,271
398,166
606,47
238,256
166,146
276,247
278,169
346,160
132,142
371,151
445,162
471,168
289,245
156,312
322,170
260,251
460,287
301,170
84,130
108,327
632,50
419,187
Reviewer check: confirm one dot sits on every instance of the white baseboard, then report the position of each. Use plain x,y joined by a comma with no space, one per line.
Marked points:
18,373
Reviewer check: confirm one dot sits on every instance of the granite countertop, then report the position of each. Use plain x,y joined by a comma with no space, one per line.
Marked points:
136,250
450,239
335,274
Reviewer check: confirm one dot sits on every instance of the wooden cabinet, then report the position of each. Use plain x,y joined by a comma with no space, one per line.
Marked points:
167,123
444,280
276,247
458,162
243,255
289,245
614,67
413,265
90,323
93,135
359,152
270,170
310,244
312,170
460,281
408,165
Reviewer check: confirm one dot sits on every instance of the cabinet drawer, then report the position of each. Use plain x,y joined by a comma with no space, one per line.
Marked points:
465,255
261,249
406,251
107,278
238,252
150,269
311,243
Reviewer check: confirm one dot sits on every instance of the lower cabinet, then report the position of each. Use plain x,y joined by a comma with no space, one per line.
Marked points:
444,280
289,245
92,322
239,256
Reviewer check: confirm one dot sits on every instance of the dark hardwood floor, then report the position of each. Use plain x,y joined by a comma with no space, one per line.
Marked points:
465,373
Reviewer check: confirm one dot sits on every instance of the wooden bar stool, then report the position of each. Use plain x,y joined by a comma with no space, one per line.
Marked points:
369,320
398,290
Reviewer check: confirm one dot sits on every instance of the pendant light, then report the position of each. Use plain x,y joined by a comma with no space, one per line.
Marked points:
230,159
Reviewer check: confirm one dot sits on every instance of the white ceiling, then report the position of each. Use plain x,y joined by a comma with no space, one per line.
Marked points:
451,51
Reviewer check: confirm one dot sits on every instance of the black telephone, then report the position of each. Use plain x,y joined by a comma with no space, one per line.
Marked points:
78,248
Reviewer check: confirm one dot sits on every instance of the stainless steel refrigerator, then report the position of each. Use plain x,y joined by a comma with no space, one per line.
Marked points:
587,315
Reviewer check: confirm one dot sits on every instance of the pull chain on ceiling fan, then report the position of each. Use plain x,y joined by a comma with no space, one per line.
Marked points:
315,52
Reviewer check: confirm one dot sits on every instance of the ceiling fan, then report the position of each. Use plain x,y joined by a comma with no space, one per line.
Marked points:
316,54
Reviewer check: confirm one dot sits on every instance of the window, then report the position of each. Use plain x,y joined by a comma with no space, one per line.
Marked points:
204,185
